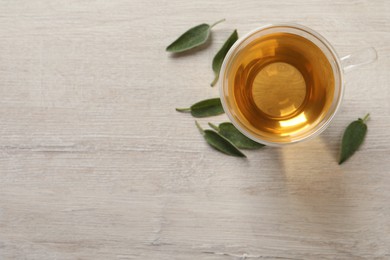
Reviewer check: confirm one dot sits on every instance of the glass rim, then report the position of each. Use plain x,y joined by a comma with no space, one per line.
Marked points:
324,123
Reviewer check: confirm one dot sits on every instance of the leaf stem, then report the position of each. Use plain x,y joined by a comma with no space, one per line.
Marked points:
215,80
199,127
216,128
183,110
220,21
365,118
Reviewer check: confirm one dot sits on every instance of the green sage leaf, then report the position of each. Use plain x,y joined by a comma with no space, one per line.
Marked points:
204,108
229,131
353,137
219,142
220,56
192,38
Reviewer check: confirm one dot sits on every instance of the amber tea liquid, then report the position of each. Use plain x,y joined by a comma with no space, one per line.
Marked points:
283,84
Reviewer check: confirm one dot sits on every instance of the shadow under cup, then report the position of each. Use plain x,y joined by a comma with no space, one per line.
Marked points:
281,84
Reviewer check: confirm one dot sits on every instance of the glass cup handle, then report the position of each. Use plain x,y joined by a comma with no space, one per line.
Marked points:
359,58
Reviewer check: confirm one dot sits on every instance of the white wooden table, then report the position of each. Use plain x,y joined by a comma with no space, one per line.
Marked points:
95,163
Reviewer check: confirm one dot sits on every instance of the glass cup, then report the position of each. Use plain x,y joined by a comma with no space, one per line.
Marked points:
339,67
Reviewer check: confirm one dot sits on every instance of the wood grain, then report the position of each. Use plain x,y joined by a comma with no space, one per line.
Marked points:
96,164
